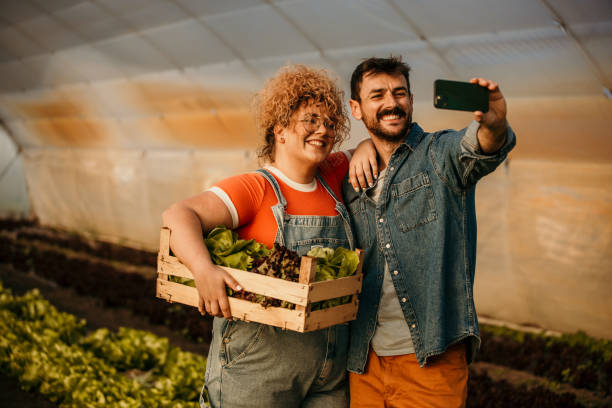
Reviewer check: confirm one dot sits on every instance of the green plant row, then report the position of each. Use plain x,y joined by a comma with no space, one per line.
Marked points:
597,347
50,353
576,358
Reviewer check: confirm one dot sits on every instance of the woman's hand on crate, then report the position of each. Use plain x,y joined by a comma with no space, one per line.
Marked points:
211,281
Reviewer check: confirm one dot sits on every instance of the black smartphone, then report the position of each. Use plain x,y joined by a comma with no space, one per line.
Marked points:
463,96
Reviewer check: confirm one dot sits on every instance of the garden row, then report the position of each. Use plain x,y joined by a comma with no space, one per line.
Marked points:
50,353
575,359
111,284
485,392
28,230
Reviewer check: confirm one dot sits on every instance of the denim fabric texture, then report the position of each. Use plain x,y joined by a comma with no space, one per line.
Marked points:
256,365
424,226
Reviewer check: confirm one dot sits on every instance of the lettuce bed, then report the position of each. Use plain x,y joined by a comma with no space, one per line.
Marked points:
50,353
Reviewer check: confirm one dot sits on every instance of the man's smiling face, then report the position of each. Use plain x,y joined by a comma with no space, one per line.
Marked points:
385,106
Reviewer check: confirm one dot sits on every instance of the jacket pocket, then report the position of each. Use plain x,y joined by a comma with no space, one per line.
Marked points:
414,202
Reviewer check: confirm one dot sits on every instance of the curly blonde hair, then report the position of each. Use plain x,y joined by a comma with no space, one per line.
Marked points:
284,93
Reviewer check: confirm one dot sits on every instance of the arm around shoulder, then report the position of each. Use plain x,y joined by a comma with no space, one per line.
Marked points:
363,166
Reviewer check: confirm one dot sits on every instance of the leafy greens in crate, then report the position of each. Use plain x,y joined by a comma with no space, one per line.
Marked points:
227,249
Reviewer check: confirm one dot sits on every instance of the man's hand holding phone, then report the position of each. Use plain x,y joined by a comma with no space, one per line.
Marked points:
484,99
493,124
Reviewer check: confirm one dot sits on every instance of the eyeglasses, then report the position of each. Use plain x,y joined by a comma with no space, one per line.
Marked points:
313,123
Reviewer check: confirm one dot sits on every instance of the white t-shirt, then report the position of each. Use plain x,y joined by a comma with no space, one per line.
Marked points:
392,335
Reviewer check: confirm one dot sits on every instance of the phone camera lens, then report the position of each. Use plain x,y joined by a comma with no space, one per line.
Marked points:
441,101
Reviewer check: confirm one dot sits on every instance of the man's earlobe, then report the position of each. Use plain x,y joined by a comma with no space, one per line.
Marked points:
355,109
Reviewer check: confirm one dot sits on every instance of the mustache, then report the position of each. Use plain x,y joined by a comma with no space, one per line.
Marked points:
394,111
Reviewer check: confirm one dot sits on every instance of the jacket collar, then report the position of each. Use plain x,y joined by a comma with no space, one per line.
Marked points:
414,137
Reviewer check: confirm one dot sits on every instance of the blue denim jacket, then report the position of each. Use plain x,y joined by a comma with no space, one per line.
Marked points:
424,226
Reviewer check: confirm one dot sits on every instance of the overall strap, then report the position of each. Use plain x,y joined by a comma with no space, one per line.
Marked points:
278,209
327,187
341,209
277,192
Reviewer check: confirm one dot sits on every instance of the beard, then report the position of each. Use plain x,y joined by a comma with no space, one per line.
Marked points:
374,126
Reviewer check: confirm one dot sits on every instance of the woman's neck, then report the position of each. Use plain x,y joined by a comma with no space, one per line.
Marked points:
295,171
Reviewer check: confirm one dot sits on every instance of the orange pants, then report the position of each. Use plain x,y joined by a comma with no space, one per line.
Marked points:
399,381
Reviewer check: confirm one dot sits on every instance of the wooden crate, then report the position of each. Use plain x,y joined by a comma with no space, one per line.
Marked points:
303,293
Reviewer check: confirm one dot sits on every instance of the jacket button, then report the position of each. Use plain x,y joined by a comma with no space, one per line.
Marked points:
395,272
388,246
226,340
413,325
381,220
403,300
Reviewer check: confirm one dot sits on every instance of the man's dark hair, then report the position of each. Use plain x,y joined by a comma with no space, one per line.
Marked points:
391,66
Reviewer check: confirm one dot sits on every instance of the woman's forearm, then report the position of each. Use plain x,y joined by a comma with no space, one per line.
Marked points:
186,238
188,220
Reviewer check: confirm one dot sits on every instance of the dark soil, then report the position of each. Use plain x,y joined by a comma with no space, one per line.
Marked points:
500,376
582,362
12,396
32,232
484,392
115,283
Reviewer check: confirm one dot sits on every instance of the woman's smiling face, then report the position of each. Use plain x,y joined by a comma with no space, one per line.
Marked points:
310,136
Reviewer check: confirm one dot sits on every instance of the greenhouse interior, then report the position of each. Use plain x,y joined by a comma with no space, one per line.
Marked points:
113,110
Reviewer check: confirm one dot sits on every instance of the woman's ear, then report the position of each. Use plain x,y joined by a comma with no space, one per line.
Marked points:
279,134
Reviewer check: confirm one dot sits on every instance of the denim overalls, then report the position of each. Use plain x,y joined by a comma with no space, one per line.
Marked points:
256,365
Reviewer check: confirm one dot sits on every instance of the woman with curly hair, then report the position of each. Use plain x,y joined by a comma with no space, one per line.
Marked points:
295,200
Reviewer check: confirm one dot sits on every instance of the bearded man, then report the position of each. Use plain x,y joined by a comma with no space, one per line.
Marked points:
416,328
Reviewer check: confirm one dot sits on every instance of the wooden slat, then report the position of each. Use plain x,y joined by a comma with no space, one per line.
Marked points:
175,292
253,282
273,287
174,269
308,271
274,316
164,250
321,319
170,259
334,288
164,242
241,309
